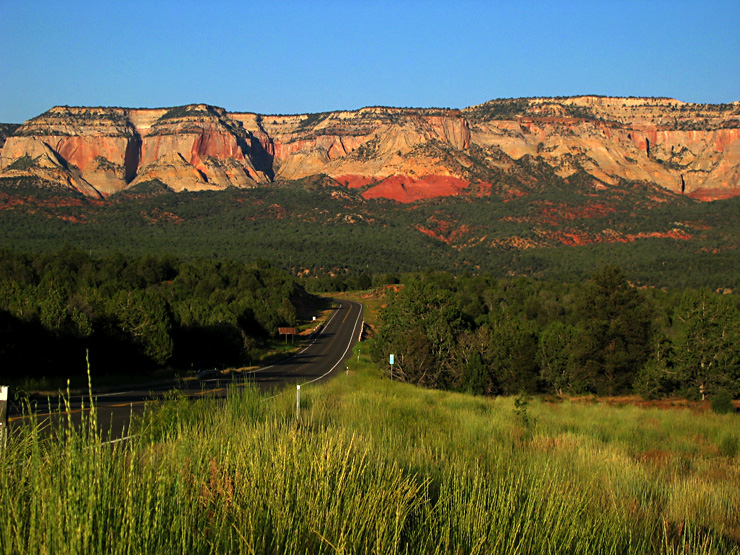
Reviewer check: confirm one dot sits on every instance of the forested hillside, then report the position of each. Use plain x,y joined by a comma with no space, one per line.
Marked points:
553,229
482,334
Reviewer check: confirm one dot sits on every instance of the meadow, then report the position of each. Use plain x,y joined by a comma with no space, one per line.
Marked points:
375,466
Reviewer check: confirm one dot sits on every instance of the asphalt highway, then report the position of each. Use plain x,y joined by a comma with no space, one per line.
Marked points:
323,356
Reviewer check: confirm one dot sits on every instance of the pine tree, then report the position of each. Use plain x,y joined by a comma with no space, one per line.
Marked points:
617,331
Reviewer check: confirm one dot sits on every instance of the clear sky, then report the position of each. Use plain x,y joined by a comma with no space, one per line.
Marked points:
273,56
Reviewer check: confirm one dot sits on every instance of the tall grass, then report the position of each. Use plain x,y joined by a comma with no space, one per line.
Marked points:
377,467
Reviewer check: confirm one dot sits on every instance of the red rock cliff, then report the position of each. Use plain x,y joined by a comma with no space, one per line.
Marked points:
404,154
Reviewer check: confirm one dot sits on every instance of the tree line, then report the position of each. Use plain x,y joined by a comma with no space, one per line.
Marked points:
602,336
135,314
482,334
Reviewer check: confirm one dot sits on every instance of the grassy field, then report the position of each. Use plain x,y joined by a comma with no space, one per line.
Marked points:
379,467
373,301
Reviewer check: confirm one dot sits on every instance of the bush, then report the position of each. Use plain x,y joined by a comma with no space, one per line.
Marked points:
722,402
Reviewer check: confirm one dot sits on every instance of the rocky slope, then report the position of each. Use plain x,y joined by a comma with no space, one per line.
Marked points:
6,130
394,153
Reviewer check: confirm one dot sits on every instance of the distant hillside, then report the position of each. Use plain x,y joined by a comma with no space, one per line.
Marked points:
551,228
392,153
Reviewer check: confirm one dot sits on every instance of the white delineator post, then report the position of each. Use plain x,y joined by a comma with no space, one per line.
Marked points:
298,403
3,413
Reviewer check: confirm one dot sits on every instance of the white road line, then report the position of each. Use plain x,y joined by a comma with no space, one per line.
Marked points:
354,328
115,394
323,328
333,367
343,354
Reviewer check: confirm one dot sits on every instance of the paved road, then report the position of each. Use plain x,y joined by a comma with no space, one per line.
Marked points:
324,356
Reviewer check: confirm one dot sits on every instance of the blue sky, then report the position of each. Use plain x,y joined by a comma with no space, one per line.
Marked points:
273,56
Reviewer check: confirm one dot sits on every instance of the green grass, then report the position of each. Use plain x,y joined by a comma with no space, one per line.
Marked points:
379,467
372,301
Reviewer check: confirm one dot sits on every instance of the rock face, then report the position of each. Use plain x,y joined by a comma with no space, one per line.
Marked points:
394,153
686,148
100,151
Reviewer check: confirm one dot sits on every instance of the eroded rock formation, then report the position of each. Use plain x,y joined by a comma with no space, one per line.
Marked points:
395,153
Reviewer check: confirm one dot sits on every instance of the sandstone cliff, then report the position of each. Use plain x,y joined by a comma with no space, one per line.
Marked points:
686,148
6,130
401,154
104,150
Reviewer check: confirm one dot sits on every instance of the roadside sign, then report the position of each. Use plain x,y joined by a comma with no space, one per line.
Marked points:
286,332
392,359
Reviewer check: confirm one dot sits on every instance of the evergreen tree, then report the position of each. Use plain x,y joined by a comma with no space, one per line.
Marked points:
147,319
513,357
556,358
617,331
708,343
659,376
472,353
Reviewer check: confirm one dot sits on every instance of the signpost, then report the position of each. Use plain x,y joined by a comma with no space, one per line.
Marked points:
287,332
392,360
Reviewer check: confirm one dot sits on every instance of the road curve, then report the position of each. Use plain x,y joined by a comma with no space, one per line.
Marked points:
324,356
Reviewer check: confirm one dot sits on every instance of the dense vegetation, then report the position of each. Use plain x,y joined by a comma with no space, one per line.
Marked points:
135,314
480,334
379,467
551,230
546,329
603,336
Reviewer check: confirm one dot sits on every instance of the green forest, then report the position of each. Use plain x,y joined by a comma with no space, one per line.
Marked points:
132,315
316,227
163,280
600,336
478,334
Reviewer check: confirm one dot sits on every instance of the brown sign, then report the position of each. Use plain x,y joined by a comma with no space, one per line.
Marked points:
286,331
